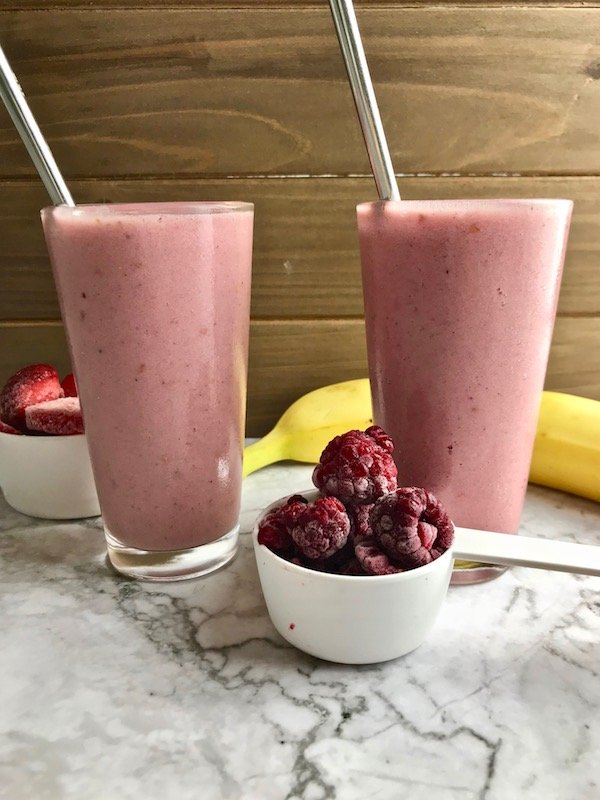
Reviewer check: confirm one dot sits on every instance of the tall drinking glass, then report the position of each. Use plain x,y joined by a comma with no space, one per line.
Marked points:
460,300
155,299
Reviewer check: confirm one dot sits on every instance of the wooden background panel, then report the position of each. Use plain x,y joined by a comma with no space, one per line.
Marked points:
306,251
125,92
283,365
290,358
574,364
295,4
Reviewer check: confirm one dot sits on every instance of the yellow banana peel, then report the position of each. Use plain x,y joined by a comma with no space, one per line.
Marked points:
310,423
566,454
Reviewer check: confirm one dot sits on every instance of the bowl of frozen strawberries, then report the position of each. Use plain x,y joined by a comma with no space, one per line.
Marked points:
356,569
45,468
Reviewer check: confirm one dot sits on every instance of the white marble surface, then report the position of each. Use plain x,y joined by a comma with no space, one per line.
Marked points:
113,689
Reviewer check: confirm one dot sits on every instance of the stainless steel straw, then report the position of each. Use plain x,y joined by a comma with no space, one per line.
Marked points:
352,49
32,137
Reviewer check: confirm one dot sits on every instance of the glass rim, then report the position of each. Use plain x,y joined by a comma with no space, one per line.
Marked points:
159,208
445,203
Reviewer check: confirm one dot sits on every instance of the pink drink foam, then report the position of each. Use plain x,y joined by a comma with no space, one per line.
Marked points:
156,303
460,300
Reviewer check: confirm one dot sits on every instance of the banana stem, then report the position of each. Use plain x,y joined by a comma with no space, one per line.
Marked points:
268,450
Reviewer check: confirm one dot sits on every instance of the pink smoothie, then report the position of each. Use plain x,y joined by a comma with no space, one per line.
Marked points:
156,298
460,299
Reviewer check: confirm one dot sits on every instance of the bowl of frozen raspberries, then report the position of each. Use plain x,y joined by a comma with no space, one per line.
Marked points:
356,570
45,468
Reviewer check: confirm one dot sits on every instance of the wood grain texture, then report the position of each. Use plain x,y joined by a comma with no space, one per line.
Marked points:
283,365
574,364
263,90
217,99
295,4
306,252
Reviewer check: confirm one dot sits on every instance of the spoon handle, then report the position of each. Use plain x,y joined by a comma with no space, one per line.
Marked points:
526,551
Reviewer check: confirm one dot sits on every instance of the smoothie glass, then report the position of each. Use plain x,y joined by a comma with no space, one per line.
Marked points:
155,298
460,300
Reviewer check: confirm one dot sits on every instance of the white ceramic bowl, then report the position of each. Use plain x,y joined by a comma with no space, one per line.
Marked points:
346,618
48,476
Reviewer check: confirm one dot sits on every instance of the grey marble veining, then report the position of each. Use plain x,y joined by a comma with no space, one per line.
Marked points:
115,689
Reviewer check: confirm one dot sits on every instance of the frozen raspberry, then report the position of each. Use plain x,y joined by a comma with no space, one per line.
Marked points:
69,386
373,560
60,417
352,567
274,530
321,529
294,504
381,437
360,522
355,468
4,428
30,385
411,526
334,563
273,533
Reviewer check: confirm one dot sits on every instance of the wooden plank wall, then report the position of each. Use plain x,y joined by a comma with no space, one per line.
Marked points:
249,101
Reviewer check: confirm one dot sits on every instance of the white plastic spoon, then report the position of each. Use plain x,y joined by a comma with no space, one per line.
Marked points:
525,551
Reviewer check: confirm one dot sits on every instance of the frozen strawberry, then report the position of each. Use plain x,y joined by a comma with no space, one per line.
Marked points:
357,467
274,530
411,526
30,385
4,428
69,386
373,560
321,529
60,417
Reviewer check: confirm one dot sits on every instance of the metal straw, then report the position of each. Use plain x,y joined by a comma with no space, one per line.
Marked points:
32,137
352,49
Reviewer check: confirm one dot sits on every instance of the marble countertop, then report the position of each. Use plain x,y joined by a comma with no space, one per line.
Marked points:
116,689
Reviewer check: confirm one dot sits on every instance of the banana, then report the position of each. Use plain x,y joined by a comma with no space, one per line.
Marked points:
311,422
566,454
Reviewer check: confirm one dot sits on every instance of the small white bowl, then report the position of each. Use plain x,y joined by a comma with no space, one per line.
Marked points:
351,619
48,476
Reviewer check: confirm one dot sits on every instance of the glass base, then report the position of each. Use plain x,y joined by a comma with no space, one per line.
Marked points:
172,565
472,572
